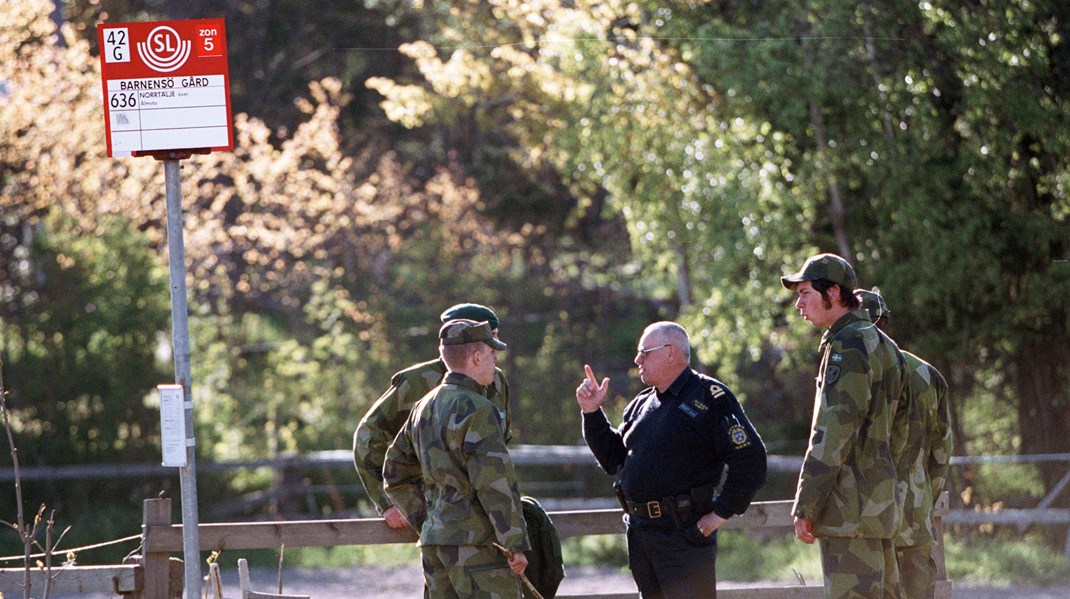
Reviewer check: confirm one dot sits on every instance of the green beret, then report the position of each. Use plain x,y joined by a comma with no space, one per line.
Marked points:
474,312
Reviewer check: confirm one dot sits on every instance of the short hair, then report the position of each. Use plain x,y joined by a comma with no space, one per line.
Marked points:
848,299
671,332
456,356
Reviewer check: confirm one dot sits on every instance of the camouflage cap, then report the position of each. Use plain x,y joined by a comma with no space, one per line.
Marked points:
824,266
873,303
462,330
474,312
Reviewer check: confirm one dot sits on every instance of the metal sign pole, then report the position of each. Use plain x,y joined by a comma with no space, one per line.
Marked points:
180,339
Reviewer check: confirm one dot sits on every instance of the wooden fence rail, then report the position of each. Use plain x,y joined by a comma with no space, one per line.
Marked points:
156,575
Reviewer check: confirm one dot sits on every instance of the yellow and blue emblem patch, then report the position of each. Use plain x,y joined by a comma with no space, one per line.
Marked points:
738,436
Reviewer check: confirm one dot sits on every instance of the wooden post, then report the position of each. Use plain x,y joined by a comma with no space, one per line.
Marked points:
157,512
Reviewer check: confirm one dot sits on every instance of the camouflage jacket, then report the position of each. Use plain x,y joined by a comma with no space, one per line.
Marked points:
449,471
386,416
922,459
847,487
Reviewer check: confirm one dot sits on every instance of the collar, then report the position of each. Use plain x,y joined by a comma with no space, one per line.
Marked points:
842,323
676,389
463,380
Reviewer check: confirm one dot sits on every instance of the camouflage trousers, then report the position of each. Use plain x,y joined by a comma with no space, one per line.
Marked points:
462,571
859,568
917,570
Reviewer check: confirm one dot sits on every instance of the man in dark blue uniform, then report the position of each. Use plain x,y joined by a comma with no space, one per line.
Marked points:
676,441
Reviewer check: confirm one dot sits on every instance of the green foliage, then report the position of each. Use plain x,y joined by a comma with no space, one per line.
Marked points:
602,551
350,556
734,139
1002,560
743,556
80,341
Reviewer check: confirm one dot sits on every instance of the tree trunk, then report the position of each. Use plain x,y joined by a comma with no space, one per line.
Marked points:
1041,383
837,213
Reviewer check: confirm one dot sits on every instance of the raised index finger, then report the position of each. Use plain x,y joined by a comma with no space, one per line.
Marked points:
590,374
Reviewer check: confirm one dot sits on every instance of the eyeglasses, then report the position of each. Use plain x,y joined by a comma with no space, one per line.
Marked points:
641,353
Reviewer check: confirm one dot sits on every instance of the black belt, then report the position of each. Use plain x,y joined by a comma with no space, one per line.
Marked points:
675,507
674,510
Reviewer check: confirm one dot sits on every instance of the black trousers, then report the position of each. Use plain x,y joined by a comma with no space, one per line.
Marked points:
673,564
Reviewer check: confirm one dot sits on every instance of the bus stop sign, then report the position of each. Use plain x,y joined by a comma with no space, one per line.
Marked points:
166,86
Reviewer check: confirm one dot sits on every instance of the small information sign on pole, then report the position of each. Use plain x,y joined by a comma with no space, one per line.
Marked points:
173,424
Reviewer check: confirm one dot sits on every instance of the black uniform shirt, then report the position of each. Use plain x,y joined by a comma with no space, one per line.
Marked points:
669,443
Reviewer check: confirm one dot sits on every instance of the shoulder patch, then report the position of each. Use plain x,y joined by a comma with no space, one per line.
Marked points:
832,373
836,358
716,391
738,436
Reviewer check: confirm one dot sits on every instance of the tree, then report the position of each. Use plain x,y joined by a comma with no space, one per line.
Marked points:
925,142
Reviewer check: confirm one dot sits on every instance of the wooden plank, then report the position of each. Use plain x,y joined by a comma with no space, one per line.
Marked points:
156,517
1009,516
372,531
354,531
266,535
71,580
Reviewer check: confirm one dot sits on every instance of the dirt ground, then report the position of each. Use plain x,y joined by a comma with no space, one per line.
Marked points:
382,582
407,583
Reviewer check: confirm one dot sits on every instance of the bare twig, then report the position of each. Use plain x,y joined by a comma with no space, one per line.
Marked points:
282,552
509,555
21,516
28,534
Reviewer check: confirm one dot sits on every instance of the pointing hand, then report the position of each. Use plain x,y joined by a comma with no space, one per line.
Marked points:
590,395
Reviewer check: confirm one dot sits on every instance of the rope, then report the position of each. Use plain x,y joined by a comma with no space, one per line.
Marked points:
73,550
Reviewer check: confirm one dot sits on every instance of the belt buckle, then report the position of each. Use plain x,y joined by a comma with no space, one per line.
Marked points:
653,509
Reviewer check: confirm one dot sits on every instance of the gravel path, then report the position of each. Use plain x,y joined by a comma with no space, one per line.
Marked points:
406,582
396,582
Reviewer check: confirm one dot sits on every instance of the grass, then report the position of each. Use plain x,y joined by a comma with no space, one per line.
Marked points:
1003,562
344,556
987,560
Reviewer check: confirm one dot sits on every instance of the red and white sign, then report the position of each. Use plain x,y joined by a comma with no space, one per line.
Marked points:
166,86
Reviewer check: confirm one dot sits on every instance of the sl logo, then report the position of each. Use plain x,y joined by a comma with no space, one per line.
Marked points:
164,50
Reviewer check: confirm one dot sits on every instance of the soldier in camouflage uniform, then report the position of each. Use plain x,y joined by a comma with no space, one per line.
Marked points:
386,416
847,495
450,474
921,445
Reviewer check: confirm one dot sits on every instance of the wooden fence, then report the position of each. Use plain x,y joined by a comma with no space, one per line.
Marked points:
156,575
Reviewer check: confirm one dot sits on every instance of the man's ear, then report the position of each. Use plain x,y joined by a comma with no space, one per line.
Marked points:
835,294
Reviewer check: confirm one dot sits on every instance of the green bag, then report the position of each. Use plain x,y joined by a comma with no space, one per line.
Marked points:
545,568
